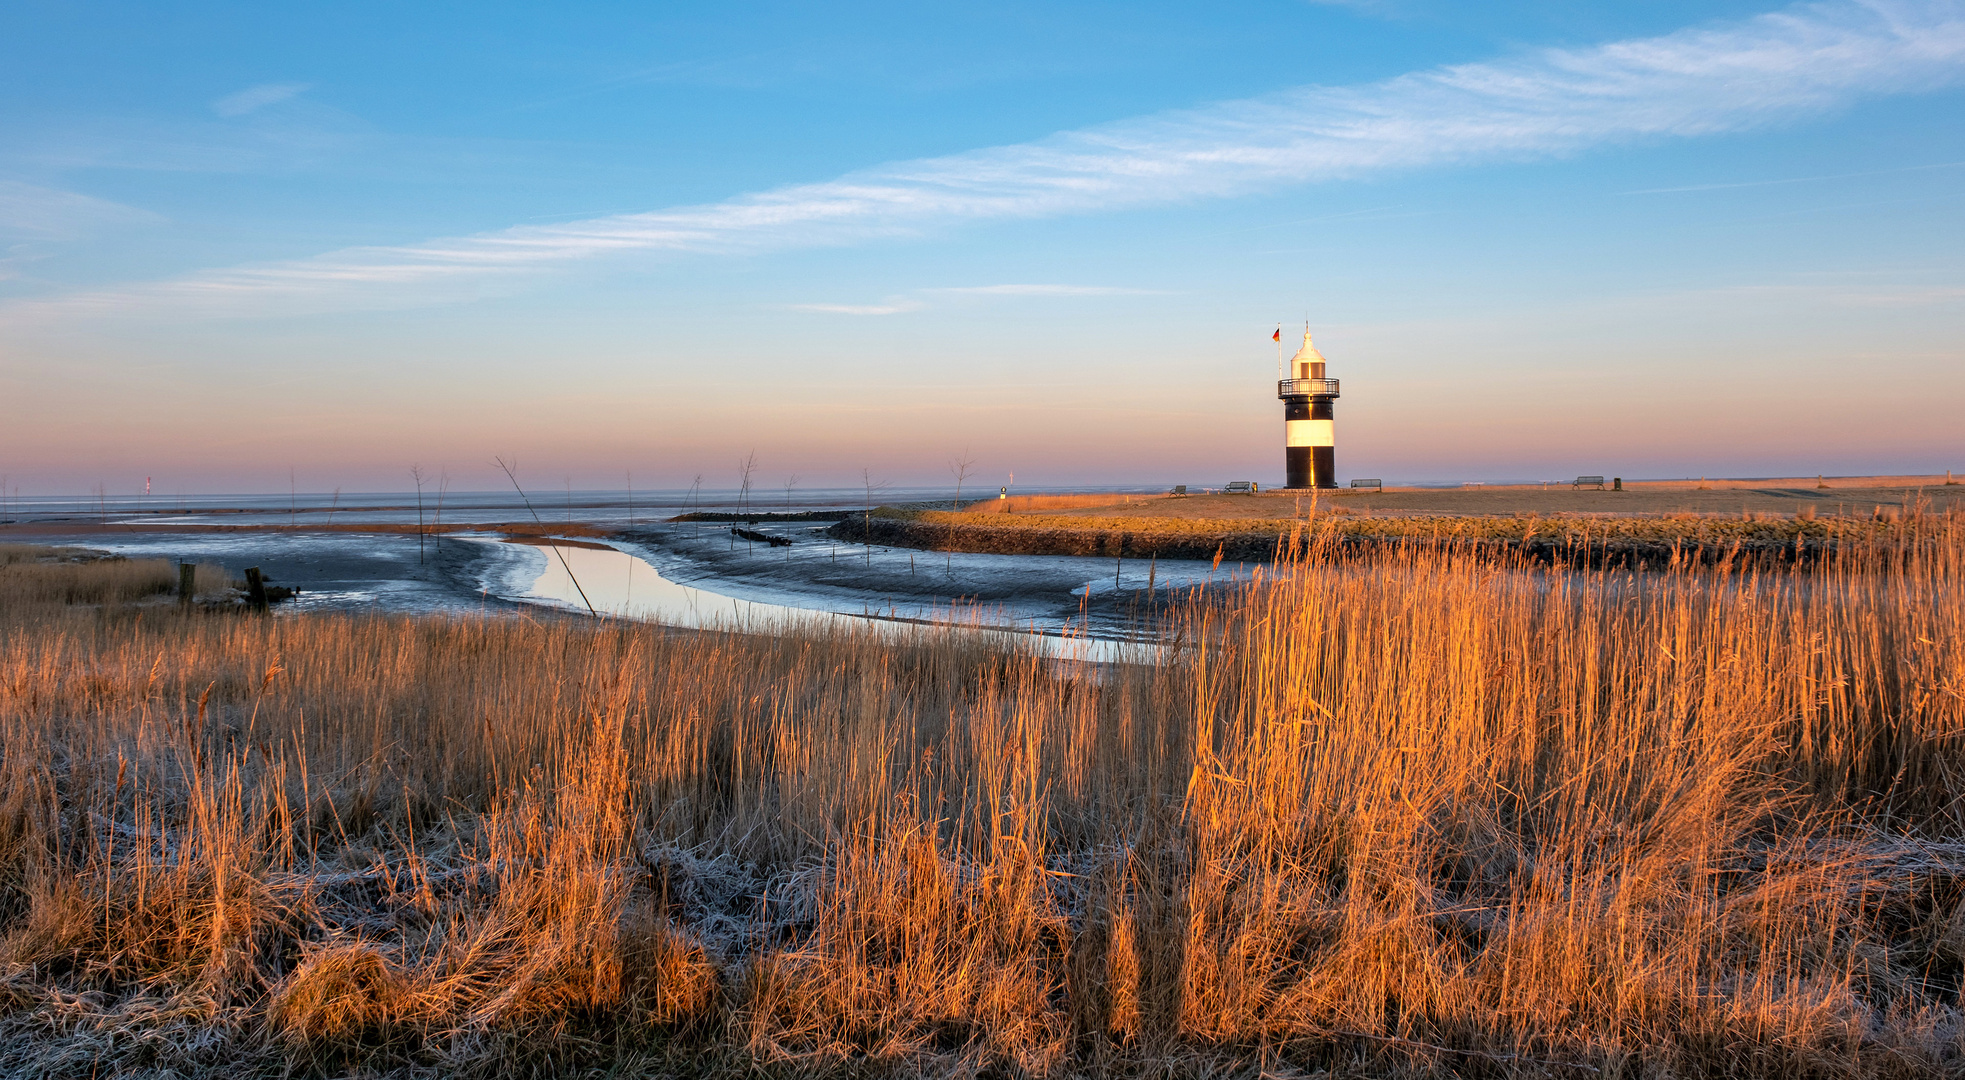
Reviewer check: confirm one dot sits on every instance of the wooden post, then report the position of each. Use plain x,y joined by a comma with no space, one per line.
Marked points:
255,588
187,583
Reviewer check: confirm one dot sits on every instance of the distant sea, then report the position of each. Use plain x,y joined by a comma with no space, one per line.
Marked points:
622,507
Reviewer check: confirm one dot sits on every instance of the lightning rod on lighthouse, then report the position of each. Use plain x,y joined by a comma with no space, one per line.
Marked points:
1309,428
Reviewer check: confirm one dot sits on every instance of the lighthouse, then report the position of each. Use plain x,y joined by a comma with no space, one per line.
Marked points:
1309,430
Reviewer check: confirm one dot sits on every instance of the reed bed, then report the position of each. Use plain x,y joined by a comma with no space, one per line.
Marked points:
1420,811
1649,539
35,574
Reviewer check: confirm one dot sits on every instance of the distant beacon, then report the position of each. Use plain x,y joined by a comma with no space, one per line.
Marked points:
1309,430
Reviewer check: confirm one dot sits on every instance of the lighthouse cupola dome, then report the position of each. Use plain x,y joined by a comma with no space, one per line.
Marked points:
1308,363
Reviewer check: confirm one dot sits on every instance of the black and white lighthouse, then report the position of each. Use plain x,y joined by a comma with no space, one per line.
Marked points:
1309,429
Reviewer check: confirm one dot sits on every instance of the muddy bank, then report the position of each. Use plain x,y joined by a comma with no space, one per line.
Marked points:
754,519
1234,546
367,572
37,532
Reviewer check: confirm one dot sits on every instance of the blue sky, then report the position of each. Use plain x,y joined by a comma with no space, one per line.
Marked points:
1655,240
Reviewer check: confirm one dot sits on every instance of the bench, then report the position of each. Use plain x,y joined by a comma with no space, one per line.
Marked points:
1179,489
1585,481
1241,487
1375,485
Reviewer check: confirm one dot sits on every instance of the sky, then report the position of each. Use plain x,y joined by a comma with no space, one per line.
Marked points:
249,245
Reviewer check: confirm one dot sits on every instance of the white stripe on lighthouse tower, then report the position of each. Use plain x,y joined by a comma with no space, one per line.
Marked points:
1309,433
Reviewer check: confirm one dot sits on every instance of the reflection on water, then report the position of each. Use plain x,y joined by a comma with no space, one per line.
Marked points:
615,582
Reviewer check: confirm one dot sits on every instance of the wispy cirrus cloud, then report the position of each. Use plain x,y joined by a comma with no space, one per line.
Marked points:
903,304
897,307
1042,290
35,221
1704,80
254,98
45,212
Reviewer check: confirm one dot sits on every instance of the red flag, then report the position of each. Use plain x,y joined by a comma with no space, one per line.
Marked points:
1278,335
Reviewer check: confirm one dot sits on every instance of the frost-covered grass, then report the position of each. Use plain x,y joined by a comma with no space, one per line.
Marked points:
1419,816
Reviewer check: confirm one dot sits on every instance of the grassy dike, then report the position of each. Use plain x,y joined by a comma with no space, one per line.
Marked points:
1648,540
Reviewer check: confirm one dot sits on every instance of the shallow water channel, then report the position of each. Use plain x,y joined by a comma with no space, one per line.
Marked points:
610,581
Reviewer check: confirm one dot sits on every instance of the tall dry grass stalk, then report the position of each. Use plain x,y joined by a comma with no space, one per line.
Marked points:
1414,811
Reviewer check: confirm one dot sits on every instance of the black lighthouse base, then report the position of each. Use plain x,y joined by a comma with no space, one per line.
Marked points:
1298,467
1308,465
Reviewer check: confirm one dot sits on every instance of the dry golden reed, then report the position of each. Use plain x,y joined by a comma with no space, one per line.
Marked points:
1418,810
32,574
1019,504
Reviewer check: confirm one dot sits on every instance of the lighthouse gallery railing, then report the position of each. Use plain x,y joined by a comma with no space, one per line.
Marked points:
1306,387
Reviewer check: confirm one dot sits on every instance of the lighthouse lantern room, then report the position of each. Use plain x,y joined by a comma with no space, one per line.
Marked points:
1309,430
